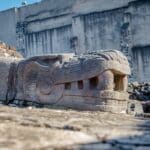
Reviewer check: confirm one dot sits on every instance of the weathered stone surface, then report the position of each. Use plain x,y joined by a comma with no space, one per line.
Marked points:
7,67
97,81
135,108
9,59
139,91
94,81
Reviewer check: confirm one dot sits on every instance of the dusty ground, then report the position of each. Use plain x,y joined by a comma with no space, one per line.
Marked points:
44,129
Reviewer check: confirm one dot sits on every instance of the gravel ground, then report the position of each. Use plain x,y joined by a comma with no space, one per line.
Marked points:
43,129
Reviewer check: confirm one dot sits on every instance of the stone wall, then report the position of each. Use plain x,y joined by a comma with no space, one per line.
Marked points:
80,26
48,41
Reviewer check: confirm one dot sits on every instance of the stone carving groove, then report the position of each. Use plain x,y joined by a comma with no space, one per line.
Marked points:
94,81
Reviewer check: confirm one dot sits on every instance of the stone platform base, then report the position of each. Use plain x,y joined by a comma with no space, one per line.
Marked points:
108,101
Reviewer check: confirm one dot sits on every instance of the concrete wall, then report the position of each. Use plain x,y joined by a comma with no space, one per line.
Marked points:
44,9
140,41
8,26
80,26
102,30
140,23
141,60
49,41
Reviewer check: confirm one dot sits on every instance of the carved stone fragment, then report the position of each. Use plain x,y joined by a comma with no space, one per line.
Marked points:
94,81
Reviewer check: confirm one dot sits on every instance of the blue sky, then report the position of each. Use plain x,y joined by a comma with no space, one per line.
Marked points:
6,4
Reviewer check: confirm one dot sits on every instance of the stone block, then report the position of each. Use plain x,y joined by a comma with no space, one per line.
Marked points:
94,81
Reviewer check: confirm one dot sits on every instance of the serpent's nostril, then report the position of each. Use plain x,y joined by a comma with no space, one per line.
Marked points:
93,82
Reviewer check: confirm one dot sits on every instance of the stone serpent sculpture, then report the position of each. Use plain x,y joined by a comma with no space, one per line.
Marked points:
92,81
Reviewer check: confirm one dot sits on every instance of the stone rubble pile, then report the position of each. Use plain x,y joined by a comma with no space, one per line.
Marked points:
139,91
8,51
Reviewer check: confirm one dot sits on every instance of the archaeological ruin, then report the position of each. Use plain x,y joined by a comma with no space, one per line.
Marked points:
74,75
82,26
93,81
